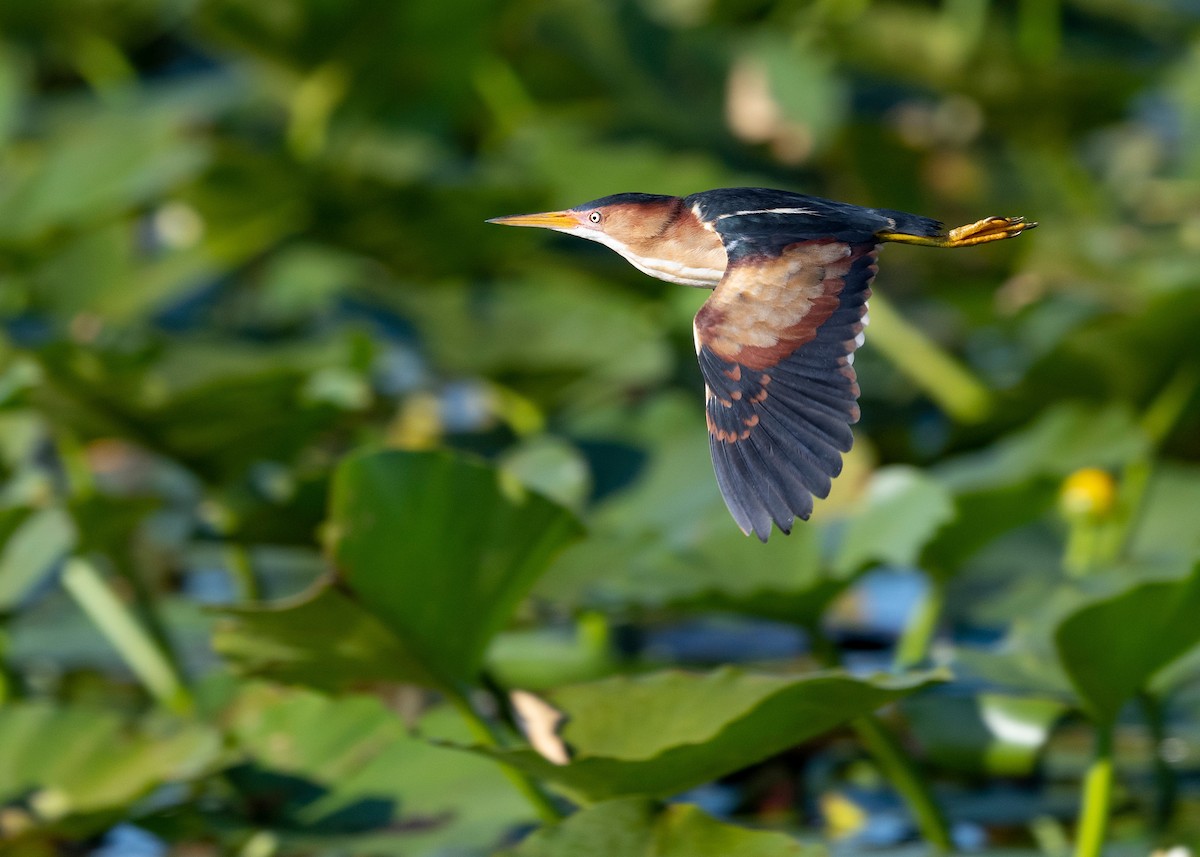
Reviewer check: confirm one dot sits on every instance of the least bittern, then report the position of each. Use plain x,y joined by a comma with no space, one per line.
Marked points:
790,276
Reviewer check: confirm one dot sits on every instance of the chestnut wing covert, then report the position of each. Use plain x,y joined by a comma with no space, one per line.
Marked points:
775,343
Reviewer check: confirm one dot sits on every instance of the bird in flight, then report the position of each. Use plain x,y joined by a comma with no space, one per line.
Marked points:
790,276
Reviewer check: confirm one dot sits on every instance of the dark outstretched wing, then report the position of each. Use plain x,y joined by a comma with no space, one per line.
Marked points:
776,341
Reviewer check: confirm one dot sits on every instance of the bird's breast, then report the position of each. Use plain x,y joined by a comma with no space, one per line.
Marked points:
684,252
678,271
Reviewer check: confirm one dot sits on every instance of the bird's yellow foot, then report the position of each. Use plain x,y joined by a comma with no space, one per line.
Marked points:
979,232
988,229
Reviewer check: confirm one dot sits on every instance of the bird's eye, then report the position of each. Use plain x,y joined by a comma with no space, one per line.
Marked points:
594,217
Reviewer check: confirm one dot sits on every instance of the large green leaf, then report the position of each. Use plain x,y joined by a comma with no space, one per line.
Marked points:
781,579
1112,647
1166,525
220,410
785,579
355,649
347,772
441,549
990,733
984,516
1016,480
540,658
97,163
1063,439
435,552
657,735
901,510
534,325
637,826
668,541
82,760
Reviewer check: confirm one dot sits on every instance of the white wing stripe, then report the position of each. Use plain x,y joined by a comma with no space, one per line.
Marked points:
768,211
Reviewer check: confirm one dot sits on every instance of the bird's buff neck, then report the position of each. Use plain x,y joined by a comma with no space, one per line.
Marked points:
682,250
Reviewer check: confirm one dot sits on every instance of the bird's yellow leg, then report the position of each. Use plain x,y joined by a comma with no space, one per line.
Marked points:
979,232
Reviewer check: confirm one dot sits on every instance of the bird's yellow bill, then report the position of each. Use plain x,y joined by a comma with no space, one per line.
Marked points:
546,220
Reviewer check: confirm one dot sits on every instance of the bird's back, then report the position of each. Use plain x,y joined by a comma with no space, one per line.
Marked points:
754,212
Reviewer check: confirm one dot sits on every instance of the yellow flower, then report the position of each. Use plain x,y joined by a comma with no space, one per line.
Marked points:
1088,493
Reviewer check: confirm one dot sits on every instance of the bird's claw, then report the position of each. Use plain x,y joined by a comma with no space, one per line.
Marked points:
988,229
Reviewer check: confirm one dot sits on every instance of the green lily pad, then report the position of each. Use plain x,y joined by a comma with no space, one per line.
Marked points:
435,552
636,826
1113,647
659,734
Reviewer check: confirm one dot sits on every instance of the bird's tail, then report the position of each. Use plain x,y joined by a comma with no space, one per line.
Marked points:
914,229
913,225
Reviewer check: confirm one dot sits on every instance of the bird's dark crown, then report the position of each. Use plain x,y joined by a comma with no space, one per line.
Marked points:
626,199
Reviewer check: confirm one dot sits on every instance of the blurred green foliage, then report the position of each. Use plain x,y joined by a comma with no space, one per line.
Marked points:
303,467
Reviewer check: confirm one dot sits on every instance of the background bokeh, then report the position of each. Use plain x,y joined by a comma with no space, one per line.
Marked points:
241,239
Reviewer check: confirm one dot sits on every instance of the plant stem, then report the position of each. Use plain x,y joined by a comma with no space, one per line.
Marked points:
487,736
241,569
939,375
1165,783
1097,796
1162,415
906,779
81,484
147,661
913,647
1159,420
891,758
1039,30
146,609
1087,545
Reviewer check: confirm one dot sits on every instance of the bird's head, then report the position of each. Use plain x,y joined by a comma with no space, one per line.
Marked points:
623,220
657,234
